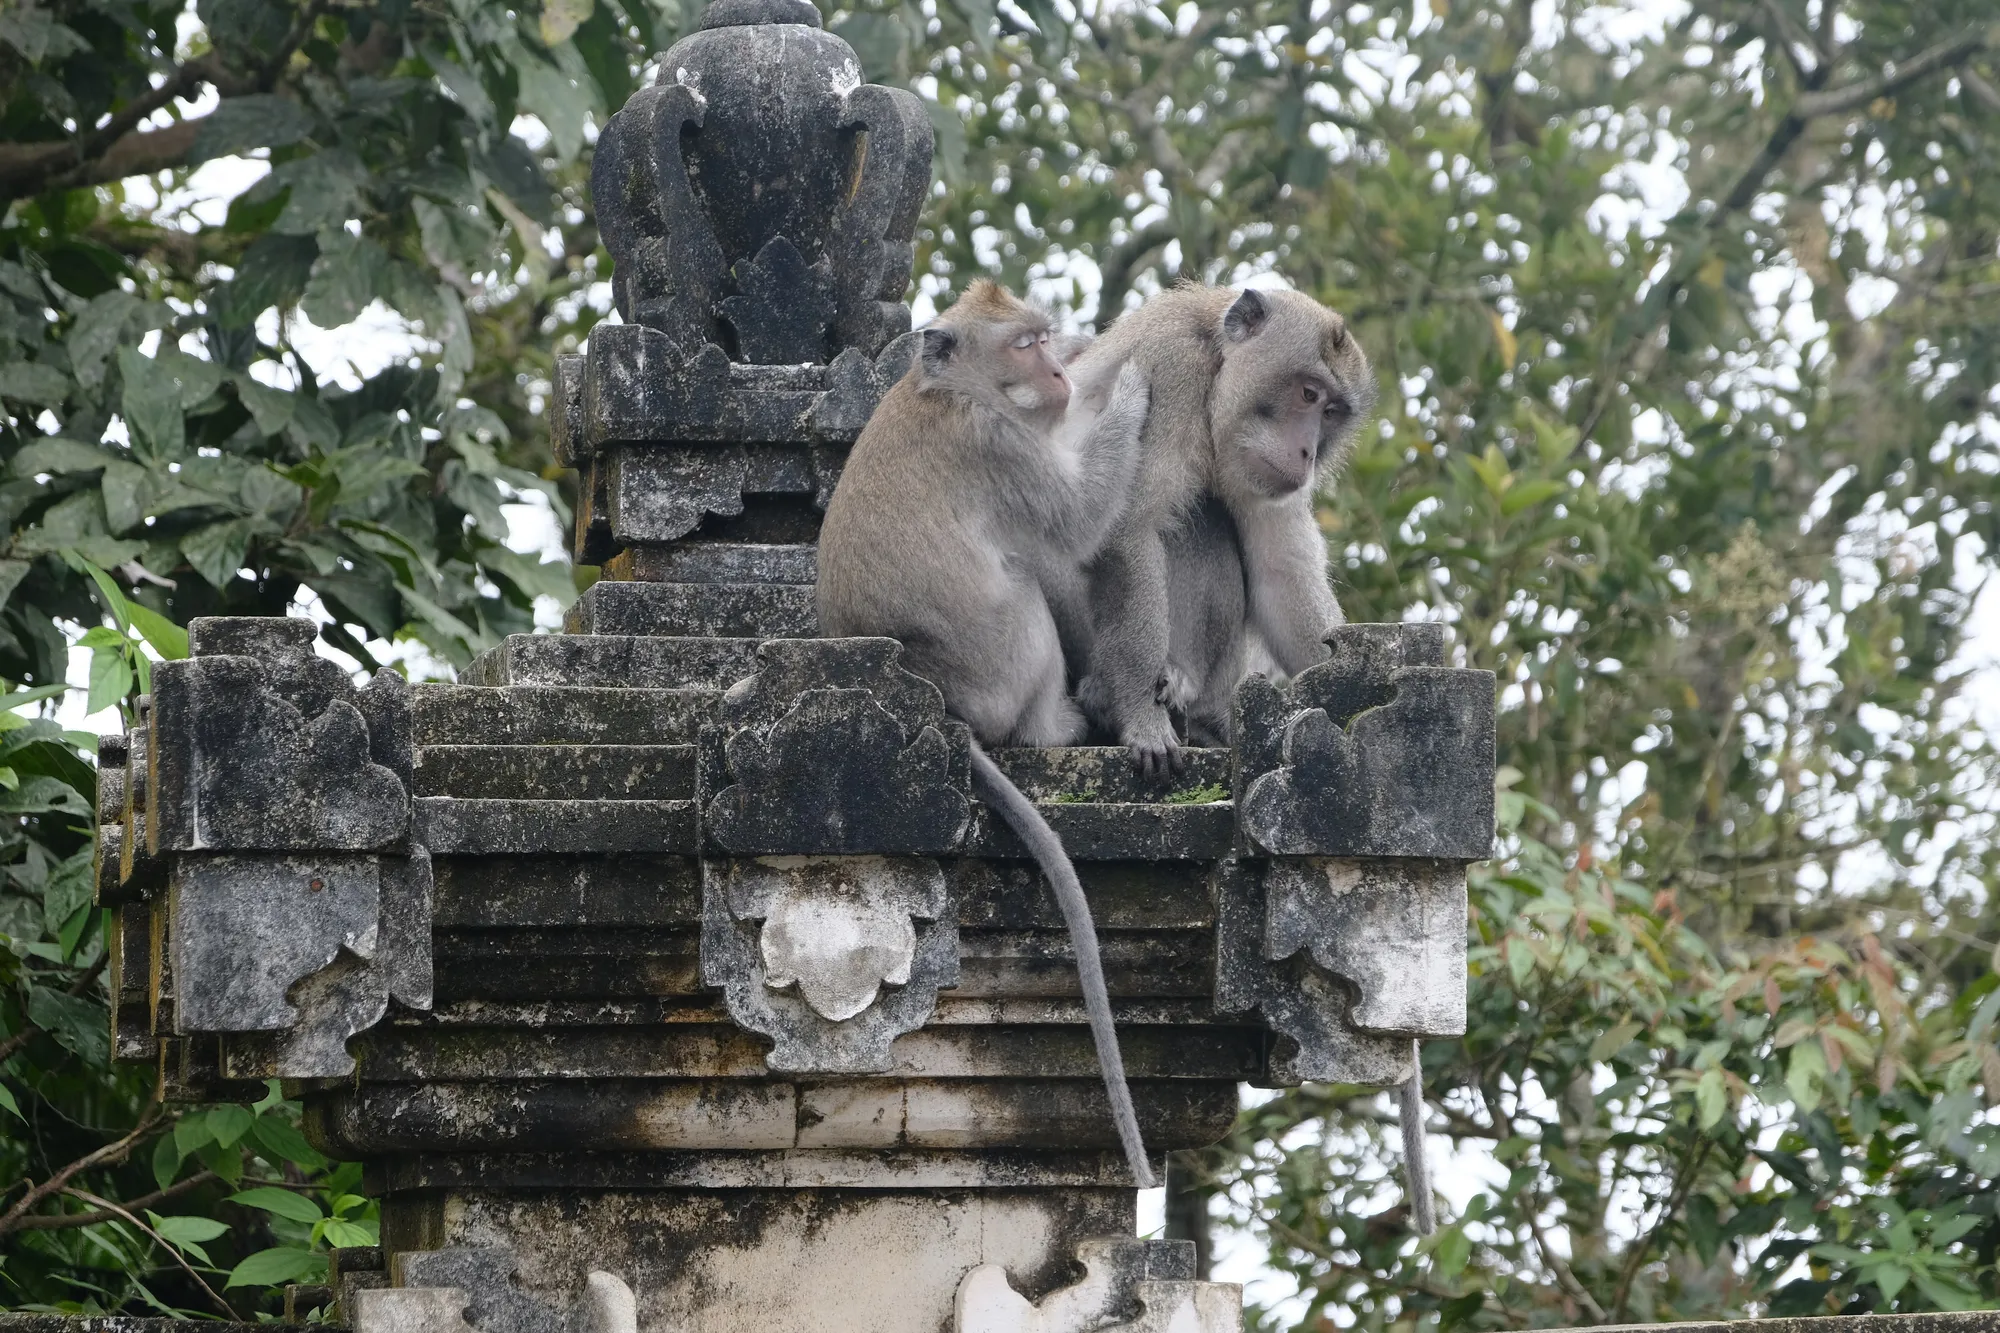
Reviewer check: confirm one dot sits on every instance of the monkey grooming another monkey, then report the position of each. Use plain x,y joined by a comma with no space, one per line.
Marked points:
1256,396
975,480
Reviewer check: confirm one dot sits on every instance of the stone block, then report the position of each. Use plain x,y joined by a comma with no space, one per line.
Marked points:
696,610
717,562
1118,832
545,891
453,827
614,661
536,715
1311,1009
1154,1278
557,772
274,752
831,957
831,749
307,951
1380,751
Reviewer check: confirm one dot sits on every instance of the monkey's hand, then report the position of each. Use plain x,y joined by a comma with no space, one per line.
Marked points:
1131,396
1154,749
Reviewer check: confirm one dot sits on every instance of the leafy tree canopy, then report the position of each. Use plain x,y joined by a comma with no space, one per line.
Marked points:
1686,318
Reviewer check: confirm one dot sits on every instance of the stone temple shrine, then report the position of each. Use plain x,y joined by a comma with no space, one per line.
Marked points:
664,973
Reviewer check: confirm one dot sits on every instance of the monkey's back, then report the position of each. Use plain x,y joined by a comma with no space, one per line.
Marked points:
902,578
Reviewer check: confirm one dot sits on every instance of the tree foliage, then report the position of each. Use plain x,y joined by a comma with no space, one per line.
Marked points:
1686,320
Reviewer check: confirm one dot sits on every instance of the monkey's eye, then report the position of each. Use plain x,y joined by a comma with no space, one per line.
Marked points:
1024,342
1310,394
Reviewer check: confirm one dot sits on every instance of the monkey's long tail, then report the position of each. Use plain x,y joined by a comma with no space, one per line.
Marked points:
1416,1166
1047,849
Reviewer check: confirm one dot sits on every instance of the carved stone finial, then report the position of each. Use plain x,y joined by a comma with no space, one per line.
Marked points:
760,197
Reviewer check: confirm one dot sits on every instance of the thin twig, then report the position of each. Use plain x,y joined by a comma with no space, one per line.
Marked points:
1682,1187
110,1152
1564,1277
67,1221
228,1310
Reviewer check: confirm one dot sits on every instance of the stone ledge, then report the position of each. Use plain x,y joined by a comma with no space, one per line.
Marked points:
615,661
453,827
905,1169
557,772
540,715
1118,832
720,610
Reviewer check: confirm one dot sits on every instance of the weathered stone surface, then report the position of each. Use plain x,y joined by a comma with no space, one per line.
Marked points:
494,827
117,1323
1393,929
745,92
830,749
563,891
1381,751
802,947
1119,832
536,715
476,1285
273,752
745,1115
695,610
717,562
874,1171
1103,774
1156,1277
557,772
1309,1009
412,1310
303,952
698,1045
614,661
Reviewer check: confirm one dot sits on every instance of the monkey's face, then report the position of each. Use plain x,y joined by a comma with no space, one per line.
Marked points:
1292,390
1030,375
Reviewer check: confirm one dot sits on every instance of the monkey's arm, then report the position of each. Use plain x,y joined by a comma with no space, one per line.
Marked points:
1284,563
1128,594
1105,459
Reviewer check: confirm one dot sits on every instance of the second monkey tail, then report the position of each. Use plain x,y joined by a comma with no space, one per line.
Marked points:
1416,1164
1042,843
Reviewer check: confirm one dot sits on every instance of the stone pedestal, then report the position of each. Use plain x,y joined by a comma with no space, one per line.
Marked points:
665,974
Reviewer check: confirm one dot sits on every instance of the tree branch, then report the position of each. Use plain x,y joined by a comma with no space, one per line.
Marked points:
119,148
68,1221
1944,55
1564,1277
228,1312
110,1152
1683,1185
1115,269
1789,38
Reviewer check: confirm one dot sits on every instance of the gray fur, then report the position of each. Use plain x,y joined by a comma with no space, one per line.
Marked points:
1047,849
1416,1164
964,511
1165,623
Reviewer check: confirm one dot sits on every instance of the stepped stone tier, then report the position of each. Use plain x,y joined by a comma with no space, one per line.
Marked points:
665,973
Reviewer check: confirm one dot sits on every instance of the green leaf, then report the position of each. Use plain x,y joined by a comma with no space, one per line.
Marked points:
555,97
1525,494
218,551
152,403
183,1230
347,276
270,1268
258,120
352,1234
58,457
280,1202
110,679
561,18
191,1132
8,1103
279,1141
36,34
22,698
167,1158
1711,1098
78,1024
229,1123
1614,1039
270,408
274,272
33,382
325,192
1889,1279
169,640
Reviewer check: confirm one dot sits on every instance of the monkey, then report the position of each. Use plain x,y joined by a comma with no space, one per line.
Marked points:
1256,396
980,477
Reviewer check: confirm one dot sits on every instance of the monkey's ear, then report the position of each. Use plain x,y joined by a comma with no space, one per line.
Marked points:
937,349
1245,316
